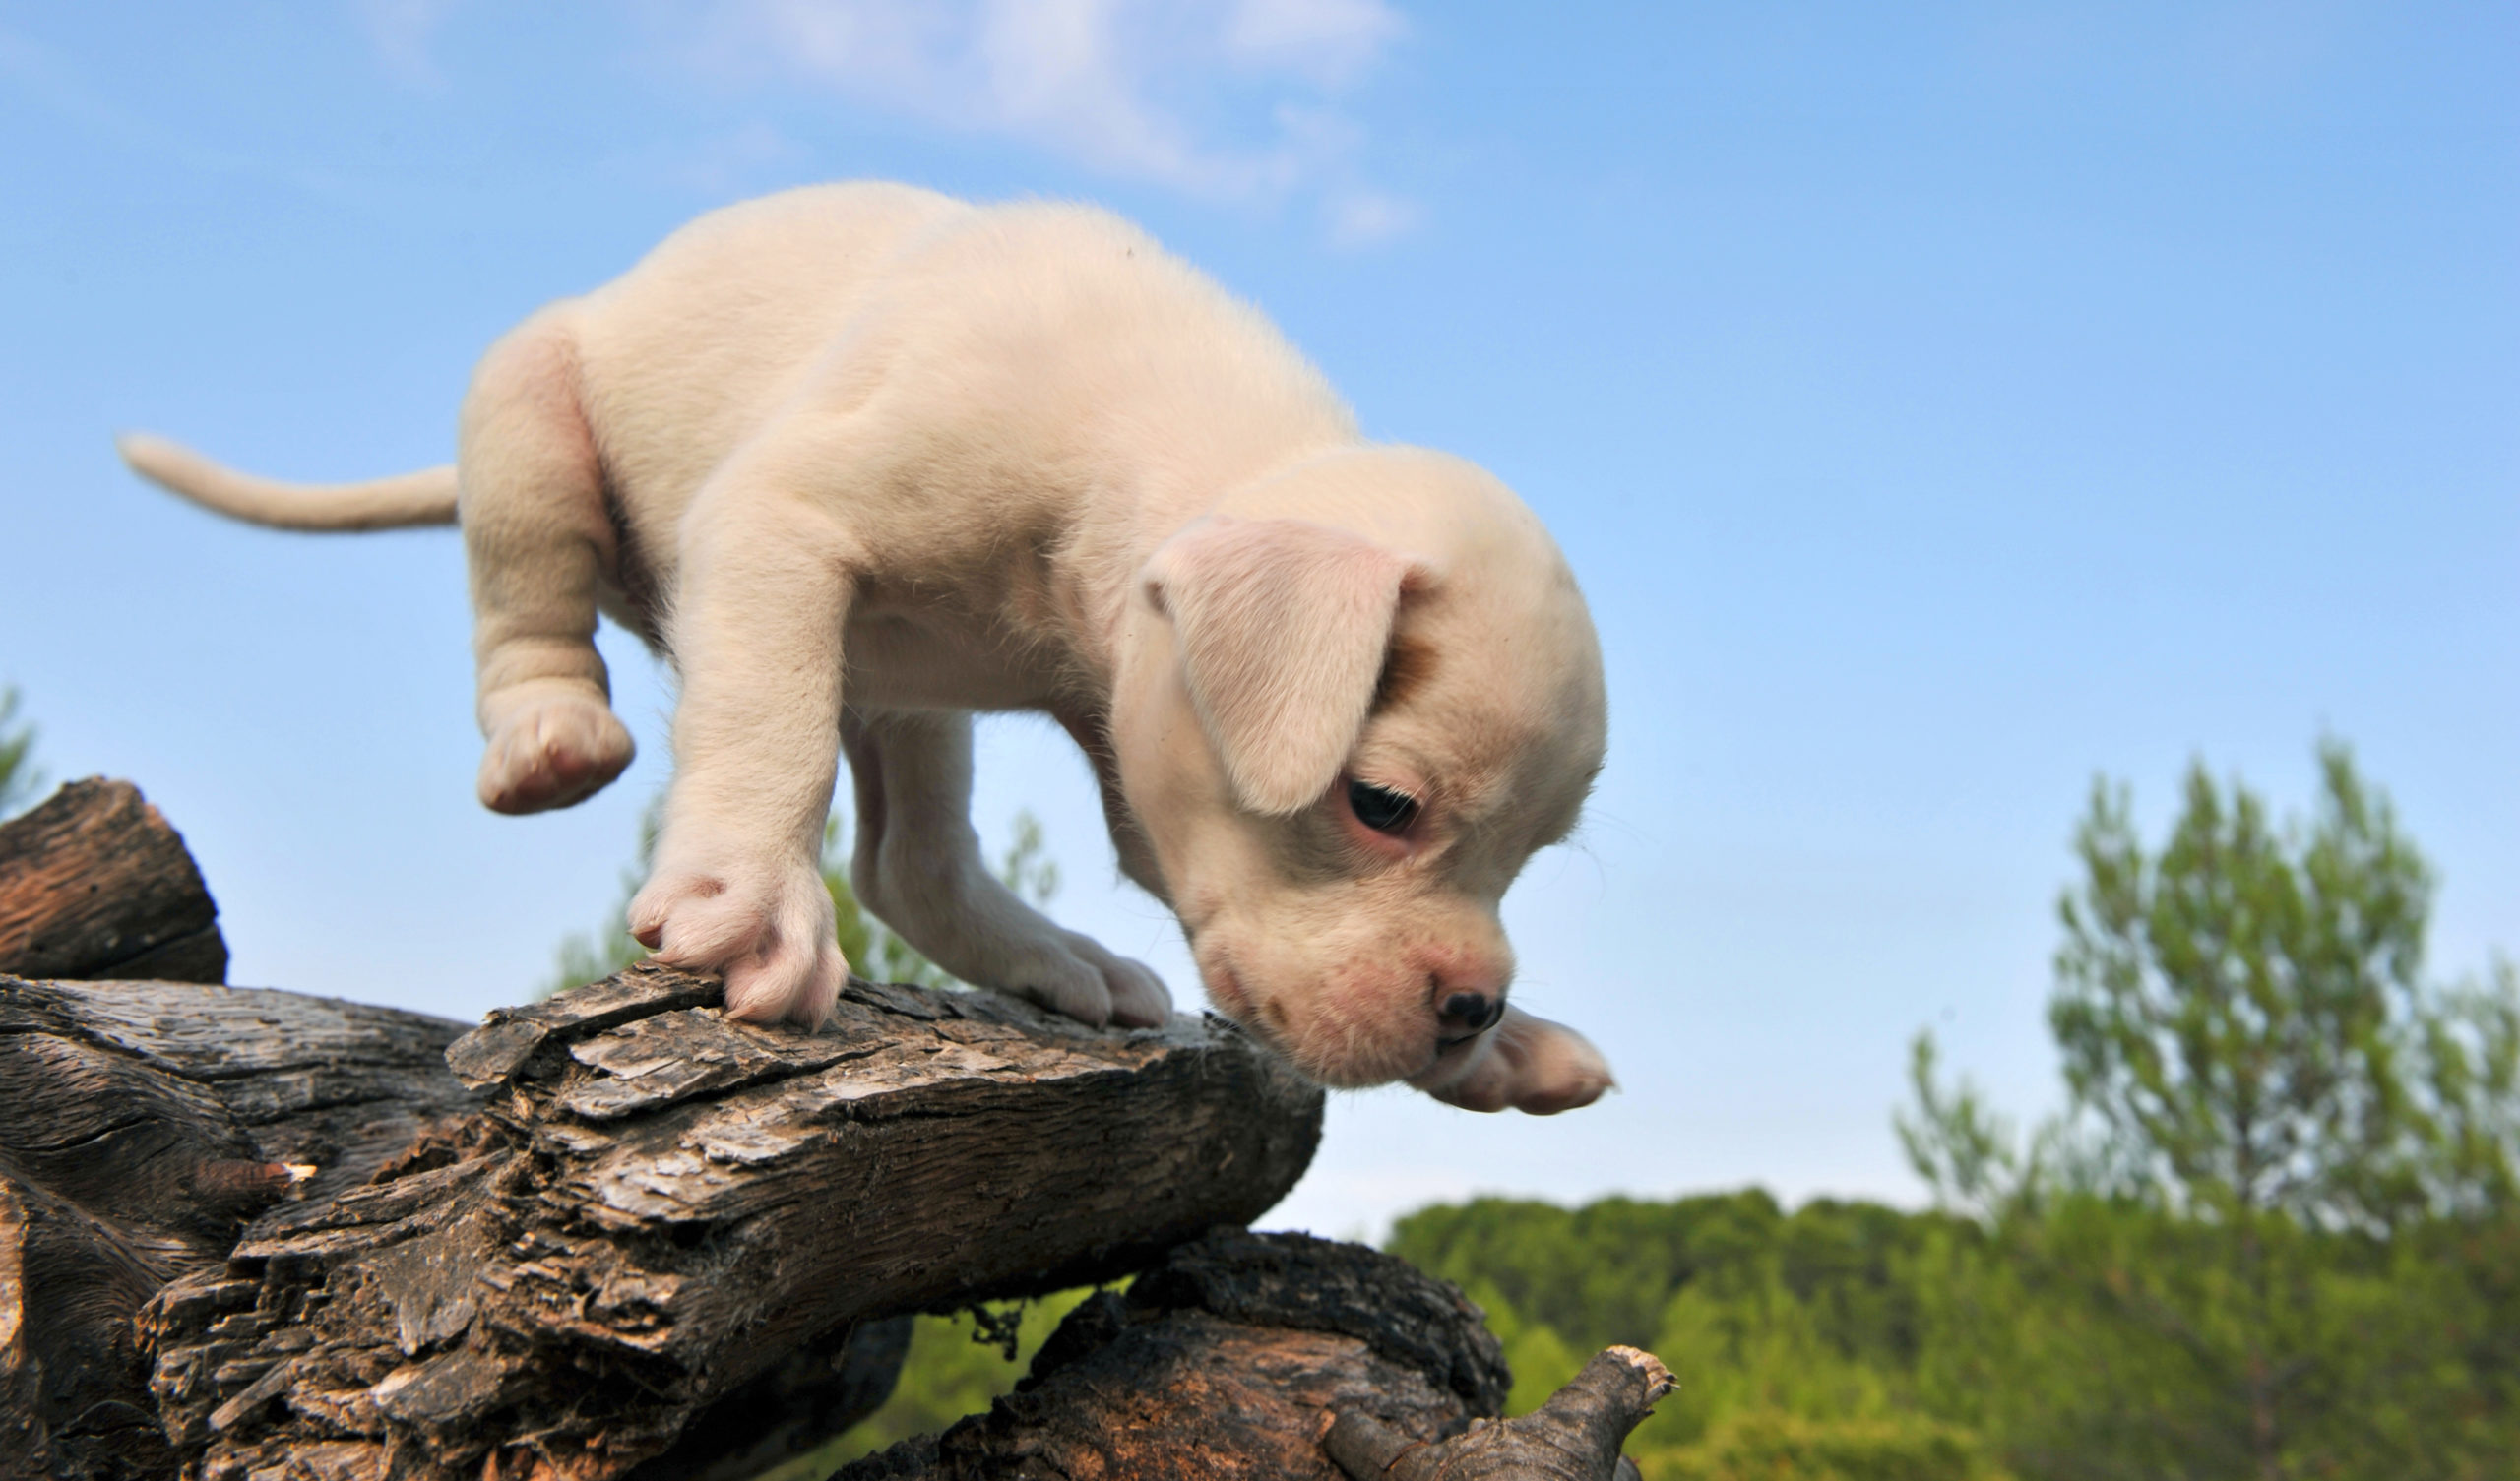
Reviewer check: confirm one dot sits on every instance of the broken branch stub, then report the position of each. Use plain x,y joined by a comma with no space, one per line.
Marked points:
656,1206
94,884
1574,1437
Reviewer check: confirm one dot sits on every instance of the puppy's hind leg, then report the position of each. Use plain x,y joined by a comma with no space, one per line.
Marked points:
537,540
917,865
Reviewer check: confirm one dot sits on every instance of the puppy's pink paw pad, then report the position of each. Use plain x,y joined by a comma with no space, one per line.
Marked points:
551,752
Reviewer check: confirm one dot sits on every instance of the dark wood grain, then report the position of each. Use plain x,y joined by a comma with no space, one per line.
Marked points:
1573,1437
94,884
658,1206
143,1127
1227,1360
813,1395
1282,1356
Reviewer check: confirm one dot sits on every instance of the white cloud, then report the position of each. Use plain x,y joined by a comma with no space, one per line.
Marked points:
1362,218
1328,40
1229,101
400,31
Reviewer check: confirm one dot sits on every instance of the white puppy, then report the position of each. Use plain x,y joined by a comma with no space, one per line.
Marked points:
861,459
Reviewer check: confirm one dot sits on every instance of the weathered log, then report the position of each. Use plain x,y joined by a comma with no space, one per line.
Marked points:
1227,1360
142,1126
1574,1437
94,884
658,1206
1282,1356
621,1237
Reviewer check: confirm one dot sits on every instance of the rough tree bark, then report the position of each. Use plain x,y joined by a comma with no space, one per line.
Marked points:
143,1125
656,1206
94,884
1574,1437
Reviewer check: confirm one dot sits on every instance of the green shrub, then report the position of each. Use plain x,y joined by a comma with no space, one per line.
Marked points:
1768,1444
953,1370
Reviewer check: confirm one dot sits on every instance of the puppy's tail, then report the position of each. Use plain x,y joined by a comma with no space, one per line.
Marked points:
426,497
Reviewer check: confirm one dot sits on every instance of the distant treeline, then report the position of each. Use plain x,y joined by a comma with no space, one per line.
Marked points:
1851,1341
2091,1337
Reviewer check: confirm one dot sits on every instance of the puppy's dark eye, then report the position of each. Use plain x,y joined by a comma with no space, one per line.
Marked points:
1380,807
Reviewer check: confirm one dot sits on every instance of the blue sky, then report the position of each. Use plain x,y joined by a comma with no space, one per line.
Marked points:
1940,404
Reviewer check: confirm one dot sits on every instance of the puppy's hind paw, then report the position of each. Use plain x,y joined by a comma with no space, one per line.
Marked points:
551,748
768,931
1139,999
1076,977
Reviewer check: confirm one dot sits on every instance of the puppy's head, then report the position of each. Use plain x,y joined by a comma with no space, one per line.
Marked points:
1351,704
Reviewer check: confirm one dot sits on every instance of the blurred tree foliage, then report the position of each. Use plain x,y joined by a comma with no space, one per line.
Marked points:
2275,1235
957,1366
1798,1337
2243,1017
20,781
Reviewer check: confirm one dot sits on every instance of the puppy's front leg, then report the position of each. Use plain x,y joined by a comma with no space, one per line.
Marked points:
756,635
917,865
1529,1064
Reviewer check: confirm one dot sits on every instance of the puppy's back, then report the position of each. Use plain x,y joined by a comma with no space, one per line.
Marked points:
683,355
1057,338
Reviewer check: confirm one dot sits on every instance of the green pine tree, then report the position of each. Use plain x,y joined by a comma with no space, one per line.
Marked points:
2259,1242
20,779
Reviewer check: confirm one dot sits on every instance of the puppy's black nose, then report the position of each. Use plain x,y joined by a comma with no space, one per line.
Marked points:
1470,1013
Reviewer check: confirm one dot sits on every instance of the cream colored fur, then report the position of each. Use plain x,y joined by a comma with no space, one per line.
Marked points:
860,460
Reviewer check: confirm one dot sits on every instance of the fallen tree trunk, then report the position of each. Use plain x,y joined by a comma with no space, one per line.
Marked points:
94,884
1282,1356
143,1125
656,1206
257,1235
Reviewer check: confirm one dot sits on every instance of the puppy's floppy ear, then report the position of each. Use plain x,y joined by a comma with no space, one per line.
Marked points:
1283,626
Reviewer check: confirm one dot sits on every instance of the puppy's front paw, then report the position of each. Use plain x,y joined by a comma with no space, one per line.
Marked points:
549,747
1074,975
768,930
1534,1066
